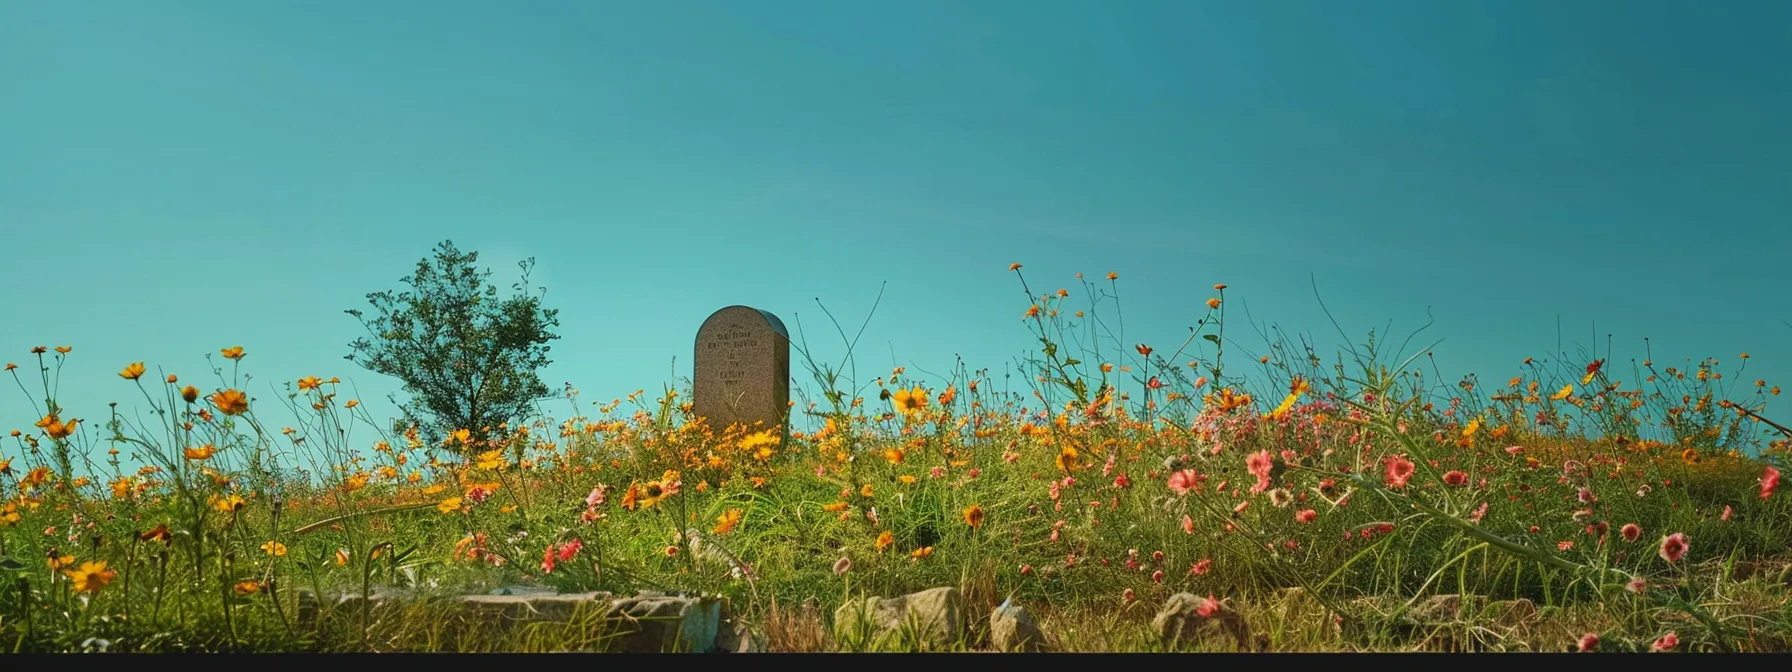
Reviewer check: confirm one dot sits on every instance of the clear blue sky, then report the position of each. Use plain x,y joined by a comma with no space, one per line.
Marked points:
181,176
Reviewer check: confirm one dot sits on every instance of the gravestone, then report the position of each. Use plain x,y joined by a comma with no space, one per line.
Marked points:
741,371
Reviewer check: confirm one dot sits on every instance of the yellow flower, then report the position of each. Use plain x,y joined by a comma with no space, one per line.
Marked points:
449,505
233,353
201,453
57,563
865,491
491,459
341,557
132,372
726,522
906,479
894,455
910,401
1562,393
835,507
91,577
228,504
274,548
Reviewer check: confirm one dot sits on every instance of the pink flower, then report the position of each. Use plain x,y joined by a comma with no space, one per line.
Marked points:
1770,479
1514,450
596,498
1126,595
937,472
1586,496
1725,516
1589,641
1480,512
1259,464
1305,516
1026,569
1455,478
1666,643
1201,567
1673,546
1188,524
1184,482
1636,585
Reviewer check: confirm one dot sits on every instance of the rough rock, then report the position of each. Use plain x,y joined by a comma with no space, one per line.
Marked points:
658,623
1445,608
1509,613
1012,629
936,616
1184,615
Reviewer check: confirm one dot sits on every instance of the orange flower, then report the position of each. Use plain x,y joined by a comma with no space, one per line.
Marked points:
172,378
884,539
233,353
132,372
1113,276
231,402
1219,287
63,349
190,394
1014,267
973,516
1144,350
201,453
922,552
1213,303
309,383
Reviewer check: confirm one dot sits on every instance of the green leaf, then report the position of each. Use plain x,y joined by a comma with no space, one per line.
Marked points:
1212,337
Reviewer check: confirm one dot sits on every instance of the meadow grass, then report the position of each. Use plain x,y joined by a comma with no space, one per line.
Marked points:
1328,503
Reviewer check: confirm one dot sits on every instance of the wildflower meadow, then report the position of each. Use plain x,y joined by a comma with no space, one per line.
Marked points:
1293,501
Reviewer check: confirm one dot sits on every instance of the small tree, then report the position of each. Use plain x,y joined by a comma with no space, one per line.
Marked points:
468,360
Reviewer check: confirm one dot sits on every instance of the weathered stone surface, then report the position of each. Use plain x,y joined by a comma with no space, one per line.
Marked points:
1012,629
936,616
530,606
1184,615
660,623
741,369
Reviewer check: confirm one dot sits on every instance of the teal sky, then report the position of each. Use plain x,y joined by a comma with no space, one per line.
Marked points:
181,176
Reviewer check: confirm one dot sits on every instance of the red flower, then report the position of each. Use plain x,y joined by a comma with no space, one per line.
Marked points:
1631,532
1673,546
1456,478
1305,516
1666,643
1588,642
1144,350
1770,479
1594,367
1399,471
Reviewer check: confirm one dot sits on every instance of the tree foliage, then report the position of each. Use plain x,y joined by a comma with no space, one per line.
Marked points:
468,359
